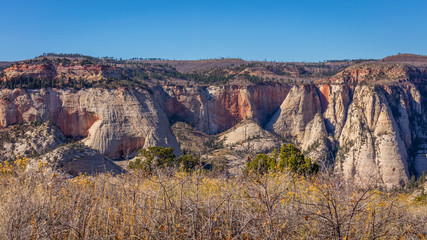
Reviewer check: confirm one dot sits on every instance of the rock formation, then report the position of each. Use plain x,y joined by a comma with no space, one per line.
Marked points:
26,139
371,144
249,137
75,159
217,108
368,120
115,122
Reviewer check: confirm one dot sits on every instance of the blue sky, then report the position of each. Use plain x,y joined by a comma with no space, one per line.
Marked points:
254,30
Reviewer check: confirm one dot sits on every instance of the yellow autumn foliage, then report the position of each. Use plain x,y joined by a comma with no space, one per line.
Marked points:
183,205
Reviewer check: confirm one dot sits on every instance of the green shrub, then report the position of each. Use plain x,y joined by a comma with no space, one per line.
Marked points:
162,157
261,164
422,198
155,157
415,183
290,158
188,162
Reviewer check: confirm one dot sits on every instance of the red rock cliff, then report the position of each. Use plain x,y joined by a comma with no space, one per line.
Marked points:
216,109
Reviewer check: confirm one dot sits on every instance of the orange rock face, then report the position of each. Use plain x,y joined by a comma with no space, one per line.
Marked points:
34,70
75,122
15,107
324,96
234,104
216,109
230,106
19,106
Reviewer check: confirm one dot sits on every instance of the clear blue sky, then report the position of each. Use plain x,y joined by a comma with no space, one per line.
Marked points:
255,30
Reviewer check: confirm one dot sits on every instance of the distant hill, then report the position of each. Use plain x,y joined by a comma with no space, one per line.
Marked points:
406,58
5,64
80,71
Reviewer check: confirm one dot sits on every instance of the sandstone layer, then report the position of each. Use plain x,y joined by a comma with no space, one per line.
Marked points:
215,109
114,122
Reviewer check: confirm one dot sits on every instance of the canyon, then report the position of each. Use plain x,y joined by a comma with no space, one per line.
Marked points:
366,120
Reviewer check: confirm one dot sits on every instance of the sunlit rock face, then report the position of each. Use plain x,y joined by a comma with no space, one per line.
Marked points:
367,120
115,122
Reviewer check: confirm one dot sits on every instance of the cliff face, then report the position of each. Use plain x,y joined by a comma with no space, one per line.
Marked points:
368,120
296,111
378,131
371,131
217,108
115,122
371,142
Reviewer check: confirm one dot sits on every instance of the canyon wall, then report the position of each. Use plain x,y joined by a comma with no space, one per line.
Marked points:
115,122
215,109
369,132
374,132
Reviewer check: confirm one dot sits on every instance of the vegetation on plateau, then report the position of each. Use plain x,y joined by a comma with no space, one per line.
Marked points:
140,72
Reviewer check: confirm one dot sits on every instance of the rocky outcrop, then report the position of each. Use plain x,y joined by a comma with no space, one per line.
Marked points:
61,72
75,159
249,137
316,143
297,110
372,72
228,150
372,132
371,144
115,122
29,140
336,99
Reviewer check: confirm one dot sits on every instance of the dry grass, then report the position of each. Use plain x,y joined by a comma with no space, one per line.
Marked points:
168,205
